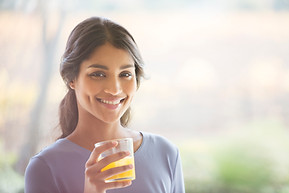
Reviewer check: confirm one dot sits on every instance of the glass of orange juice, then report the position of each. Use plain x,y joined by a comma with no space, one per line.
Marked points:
125,144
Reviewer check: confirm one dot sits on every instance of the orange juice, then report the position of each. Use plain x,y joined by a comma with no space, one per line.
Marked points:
127,175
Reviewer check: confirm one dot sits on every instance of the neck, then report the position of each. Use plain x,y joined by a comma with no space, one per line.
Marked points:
89,132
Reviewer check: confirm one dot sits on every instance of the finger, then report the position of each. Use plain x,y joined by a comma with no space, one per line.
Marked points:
120,184
96,169
98,150
114,171
112,158
101,176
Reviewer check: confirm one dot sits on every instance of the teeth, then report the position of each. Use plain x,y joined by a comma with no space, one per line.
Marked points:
110,102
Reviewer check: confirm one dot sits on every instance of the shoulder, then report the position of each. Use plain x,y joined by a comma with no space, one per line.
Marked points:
44,157
159,144
53,156
158,140
39,177
54,162
62,148
162,153
52,151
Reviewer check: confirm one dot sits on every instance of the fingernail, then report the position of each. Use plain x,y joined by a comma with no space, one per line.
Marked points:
130,166
114,142
128,182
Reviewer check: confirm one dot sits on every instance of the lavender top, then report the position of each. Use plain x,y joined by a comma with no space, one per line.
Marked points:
60,167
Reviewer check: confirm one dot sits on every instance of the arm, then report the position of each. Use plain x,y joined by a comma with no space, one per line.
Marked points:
178,179
38,178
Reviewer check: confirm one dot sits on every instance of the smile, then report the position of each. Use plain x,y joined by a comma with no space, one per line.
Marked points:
111,102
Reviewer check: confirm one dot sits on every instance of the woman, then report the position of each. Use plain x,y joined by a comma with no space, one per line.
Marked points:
102,69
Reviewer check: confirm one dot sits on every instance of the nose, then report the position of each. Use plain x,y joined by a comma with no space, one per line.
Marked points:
113,87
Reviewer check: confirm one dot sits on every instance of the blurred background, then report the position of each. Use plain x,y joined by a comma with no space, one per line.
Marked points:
217,86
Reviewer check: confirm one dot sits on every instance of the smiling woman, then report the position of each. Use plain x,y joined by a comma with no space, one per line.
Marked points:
89,35
102,69
105,85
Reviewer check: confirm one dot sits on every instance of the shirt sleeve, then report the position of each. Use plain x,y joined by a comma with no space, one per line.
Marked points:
38,177
178,179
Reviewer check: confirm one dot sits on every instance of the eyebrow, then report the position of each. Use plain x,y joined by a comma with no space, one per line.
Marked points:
98,66
127,66
106,68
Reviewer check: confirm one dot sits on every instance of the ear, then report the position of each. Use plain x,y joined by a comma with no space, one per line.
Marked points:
71,85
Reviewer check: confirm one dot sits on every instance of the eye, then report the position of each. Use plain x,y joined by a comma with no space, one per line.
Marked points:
97,74
126,74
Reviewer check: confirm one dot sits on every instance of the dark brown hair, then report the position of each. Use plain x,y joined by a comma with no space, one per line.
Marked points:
83,40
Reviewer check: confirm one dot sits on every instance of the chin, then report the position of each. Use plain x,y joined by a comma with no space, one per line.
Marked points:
111,119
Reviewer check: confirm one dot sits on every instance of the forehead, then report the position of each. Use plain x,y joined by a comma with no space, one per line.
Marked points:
109,56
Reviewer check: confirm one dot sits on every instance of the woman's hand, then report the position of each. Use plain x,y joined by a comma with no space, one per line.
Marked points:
95,178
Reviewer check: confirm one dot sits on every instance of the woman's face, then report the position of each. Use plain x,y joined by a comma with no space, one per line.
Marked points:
106,84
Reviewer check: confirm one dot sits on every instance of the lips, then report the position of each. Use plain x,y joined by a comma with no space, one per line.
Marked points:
111,103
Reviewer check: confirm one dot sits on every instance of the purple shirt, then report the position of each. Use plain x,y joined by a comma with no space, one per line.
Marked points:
60,167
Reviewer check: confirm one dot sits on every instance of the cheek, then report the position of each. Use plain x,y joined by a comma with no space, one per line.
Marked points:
131,88
86,90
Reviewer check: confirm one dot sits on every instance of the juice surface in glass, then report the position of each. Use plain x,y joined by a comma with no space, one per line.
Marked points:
127,175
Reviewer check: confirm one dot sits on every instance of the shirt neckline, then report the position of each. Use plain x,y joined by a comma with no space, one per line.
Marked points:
88,151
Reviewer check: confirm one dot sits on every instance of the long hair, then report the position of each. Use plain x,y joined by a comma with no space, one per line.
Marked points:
83,40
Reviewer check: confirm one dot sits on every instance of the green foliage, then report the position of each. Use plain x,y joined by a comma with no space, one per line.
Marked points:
241,169
10,181
252,159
